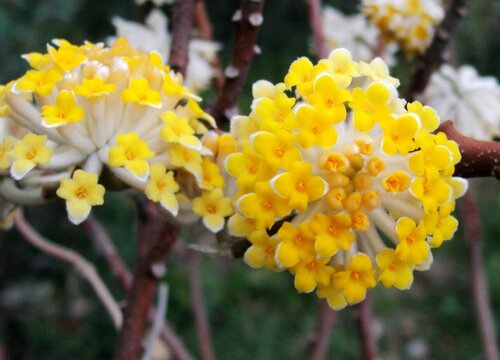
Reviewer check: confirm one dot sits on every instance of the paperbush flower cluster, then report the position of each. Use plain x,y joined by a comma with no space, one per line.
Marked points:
409,22
340,181
470,100
87,114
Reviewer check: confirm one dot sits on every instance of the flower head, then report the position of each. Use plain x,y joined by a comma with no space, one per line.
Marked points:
357,192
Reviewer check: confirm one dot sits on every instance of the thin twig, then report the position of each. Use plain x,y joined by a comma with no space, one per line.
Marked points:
248,19
105,246
205,30
479,287
158,322
320,340
156,237
479,158
182,23
80,264
364,319
316,24
434,57
198,305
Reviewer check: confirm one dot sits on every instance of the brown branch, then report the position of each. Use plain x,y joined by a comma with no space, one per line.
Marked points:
316,23
156,237
434,57
82,266
479,158
105,247
205,30
198,305
248,19
182,23
320,340
364,319
479,287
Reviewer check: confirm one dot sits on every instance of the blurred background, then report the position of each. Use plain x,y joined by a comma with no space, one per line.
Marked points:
48,312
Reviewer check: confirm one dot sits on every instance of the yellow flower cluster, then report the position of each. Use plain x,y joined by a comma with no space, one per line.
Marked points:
409,22
92,108
340,181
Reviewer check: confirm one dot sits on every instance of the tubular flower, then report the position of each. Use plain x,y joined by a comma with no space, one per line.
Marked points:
409,22
347,212
111,109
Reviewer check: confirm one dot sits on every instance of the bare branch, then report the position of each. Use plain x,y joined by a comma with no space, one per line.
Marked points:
80,264
316,23
156,237
120,270
479,287
248,19
198,305
182,23
158,322
320,340
434,57
479,158
364,319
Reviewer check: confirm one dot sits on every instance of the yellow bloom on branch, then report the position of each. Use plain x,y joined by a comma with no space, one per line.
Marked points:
213,207
132,153
28,153
65,110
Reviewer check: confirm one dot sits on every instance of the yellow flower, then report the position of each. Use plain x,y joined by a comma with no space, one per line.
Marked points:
65,110
241,226
213,207
275,114
396,181
341,66
161,187
328,98
296,244
299,186
276,149
67,57
332,233
132,153
263,205
262,251
316,128
301,74
356,278
394,271
399,134
81,192
177,130
431,189
412,246
370,106
28,153
308,275
95,87
140,93
248,167
39,81
428,116
188,159
430,154
441,224
211,175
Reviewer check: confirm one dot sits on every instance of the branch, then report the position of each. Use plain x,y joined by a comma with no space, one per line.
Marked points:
198,304
316,23
105,246
248,19
484,313
434,57
364,319
156,237
479,158
158,322
205,29
80,264
320,340
182,23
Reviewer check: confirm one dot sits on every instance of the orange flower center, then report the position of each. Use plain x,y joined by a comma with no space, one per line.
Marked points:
81,193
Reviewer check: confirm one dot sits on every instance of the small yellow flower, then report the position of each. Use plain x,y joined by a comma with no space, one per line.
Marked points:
65,110
430,154
241,226
316,128
299,186
275,114
328,98
96,87
431,189
213,207
332,233
276,149
441,224
308,275
140,93
211,175
296,244
341,66
161,187
428,116
263,205
188,159
397,181
39,81
399,134
301,74
412,246
370,106
248,167
67,57
81,192
27,153
132,153
177,130
357,277
262,251
394,271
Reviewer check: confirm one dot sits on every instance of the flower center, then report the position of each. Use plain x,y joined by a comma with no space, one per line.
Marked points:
30,154
300,186
212,208
267,204
354,276
270,250
160,185
81,193
279,152
312,266
392,267
280,118
129,154
332,229
298,240
252,168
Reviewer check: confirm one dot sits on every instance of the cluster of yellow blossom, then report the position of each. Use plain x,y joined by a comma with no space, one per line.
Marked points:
82,110
409,22
340,181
